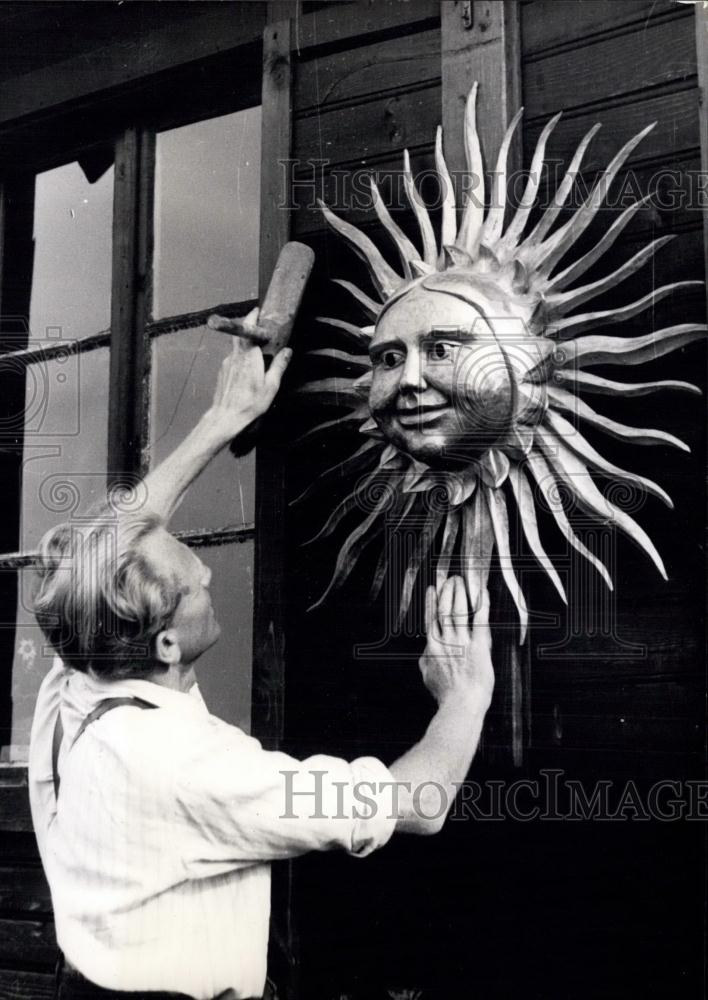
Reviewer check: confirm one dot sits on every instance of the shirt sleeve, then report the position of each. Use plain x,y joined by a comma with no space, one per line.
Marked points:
239,804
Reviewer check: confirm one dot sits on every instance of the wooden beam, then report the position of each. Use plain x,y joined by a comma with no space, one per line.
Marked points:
130,344
702,59
268,679
15,293
130,57
481,43
268,634
337,22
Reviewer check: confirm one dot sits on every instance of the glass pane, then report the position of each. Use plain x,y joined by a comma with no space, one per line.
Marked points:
71,283
224,671
207,191
22,642
185,367
66,431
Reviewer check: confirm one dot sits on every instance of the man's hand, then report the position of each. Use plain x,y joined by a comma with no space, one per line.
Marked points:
457,670
245,390
457,660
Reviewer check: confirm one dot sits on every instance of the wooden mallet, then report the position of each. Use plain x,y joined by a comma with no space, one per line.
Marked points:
275,320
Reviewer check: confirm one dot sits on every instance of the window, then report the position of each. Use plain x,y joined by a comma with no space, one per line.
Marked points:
120,252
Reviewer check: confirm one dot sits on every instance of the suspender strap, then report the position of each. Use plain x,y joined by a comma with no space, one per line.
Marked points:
103,706
56,746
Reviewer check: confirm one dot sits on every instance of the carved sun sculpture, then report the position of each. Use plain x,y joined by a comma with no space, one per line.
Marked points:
474,359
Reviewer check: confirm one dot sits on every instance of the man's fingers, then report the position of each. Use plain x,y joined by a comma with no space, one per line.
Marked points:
431,608
445,605
481,619
250,320
481,615
277,369
459,602
244,329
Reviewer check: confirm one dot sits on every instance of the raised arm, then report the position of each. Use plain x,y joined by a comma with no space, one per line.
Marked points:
457,670
244,392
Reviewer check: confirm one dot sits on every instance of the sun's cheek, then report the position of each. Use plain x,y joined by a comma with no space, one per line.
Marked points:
384,387
481,387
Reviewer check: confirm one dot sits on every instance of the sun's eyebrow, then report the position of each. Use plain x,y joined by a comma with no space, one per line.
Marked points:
456,331
376,349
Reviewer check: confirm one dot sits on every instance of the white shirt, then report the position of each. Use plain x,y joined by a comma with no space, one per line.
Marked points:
157,852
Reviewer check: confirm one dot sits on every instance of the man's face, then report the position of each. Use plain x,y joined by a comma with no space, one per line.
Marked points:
194,621
441,387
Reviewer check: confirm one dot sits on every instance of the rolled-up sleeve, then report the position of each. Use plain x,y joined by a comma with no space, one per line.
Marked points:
238,804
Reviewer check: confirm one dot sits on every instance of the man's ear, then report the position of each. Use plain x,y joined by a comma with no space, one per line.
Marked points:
167,648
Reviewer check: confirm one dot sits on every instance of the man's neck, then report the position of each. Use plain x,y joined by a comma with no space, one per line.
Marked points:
177,677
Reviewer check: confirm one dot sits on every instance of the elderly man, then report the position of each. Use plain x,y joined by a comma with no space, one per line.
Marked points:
156,821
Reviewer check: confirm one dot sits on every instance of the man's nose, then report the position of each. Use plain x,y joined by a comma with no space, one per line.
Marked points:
412,376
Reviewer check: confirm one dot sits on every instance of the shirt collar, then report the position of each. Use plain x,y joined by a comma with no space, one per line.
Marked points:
90,691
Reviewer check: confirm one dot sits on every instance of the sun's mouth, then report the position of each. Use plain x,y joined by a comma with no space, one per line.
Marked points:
423,413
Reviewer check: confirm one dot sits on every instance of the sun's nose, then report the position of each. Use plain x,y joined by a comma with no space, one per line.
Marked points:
412,377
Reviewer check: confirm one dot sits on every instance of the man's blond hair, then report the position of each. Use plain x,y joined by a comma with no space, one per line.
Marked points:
100,601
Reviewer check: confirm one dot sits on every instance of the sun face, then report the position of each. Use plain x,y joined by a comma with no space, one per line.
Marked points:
474,360
440,390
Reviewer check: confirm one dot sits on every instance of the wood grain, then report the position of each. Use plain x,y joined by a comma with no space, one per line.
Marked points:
676,113
354,74
129,55
14,803
549,23
338,23
702,60
27,941
348,193
129,372
600,70
489,54
15,985
24,889
268,640
373,128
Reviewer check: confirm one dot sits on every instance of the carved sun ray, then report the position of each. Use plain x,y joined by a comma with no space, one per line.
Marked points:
530,374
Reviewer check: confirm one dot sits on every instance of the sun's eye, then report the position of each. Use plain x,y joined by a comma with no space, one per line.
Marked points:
390,358
440,350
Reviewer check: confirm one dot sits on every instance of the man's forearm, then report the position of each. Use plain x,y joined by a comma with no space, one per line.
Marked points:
166,484
442,758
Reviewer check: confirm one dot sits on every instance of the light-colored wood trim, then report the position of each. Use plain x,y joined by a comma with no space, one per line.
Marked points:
488,52
481,43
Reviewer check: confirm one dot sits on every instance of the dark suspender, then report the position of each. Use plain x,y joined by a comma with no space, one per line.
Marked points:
103,706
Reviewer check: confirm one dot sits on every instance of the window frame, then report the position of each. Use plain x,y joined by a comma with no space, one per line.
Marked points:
134,122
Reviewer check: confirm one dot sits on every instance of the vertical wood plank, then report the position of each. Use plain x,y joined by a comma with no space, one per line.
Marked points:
268,636
702,54
17,243
481,42
268,683
130,294
489,52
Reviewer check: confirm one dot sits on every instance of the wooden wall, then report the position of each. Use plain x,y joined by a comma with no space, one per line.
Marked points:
626,65
542,910
545,909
